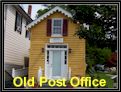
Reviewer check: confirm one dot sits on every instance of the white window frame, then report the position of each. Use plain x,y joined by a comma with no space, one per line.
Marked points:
57,35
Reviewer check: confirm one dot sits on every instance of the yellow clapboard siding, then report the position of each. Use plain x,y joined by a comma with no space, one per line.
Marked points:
76,59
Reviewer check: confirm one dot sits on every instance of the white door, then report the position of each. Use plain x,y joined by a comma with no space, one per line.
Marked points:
56,67
56,64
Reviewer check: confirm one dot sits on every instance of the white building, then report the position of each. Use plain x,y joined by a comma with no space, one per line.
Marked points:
16,38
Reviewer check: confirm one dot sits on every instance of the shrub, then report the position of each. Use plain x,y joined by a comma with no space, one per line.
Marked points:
97,55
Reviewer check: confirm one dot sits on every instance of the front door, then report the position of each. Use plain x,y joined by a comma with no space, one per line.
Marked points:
56,66
56,63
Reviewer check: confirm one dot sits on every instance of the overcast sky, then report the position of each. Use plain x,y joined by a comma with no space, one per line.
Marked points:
35,8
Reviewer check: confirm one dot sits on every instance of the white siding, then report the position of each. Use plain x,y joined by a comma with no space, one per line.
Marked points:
16,46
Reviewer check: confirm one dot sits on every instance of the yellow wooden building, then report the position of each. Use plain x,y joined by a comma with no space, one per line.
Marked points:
54,47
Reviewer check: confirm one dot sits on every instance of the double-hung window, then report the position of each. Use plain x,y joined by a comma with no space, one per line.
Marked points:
57,26
18,23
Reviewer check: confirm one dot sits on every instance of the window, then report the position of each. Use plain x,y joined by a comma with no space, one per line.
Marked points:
65,57
56,46
57,27
47,56
27,34
18,23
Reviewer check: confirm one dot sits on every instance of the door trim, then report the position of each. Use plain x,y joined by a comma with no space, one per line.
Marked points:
47,75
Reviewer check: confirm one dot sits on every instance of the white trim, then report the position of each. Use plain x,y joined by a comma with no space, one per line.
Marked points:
66,13
50,63
57,35
56,49
69,73
49,76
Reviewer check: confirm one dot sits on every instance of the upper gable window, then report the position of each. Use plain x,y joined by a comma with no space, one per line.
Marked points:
18,23
57,26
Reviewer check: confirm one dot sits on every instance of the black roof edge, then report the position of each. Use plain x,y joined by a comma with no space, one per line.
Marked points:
22,11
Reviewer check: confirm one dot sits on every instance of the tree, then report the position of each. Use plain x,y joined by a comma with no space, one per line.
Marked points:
41,12
102,21
101,38
48,7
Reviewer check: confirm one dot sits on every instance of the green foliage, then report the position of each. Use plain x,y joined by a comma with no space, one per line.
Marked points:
101,75
82,13
100,26
90,71
97,55
41,12
94,36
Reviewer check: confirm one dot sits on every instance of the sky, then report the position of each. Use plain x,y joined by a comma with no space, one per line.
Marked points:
35,8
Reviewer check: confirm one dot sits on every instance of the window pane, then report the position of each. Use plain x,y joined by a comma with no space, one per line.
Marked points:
65,57
48,57
58,46
57,22
56,30
27,34
57,27
56,63
18,22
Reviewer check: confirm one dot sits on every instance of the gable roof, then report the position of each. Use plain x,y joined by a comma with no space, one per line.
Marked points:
57,8
22,11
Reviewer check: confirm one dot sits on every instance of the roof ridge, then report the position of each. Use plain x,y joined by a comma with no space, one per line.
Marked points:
66,13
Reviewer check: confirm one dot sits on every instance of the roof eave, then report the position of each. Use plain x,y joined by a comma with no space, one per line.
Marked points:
20,9
48,14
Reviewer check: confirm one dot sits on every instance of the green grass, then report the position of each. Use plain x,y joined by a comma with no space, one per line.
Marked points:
102,75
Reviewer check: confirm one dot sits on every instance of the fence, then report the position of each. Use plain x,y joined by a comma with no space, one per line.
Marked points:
19,72
40,73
